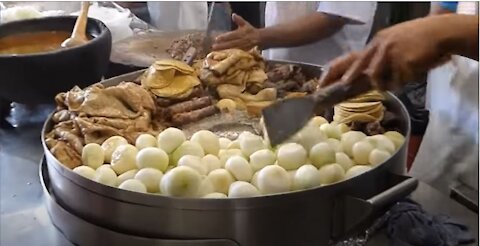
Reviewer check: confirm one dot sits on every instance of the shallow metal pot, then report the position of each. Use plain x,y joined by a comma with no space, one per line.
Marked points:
309,217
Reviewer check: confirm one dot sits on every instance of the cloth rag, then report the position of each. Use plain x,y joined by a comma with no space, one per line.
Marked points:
408,224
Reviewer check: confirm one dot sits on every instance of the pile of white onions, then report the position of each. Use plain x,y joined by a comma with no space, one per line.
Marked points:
211,167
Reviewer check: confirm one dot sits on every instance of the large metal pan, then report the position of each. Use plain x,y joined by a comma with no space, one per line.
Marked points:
309,217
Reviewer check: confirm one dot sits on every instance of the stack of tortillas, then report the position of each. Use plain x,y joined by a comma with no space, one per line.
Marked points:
364,108
170,79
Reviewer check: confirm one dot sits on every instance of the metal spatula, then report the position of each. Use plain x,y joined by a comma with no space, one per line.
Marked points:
284,118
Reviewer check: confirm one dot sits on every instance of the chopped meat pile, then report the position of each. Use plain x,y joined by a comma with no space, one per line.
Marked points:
96,113
179,47
288,78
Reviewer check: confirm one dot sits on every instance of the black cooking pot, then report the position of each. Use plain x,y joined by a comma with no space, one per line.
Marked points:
37,78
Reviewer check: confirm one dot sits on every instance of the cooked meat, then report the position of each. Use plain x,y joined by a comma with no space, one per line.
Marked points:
166,102
66,155
96,113
192,116
194,104
374,128
62,115
73,140
127,100
179,47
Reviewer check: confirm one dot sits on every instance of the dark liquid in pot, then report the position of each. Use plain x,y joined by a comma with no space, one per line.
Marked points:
30,43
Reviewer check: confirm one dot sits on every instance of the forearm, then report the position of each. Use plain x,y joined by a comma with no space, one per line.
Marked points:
461,35
304,30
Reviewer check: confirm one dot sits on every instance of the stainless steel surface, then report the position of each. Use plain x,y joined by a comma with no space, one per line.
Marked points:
24,220
248,221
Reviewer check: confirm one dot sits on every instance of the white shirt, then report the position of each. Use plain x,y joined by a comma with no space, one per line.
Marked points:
175,15
449,150
350,38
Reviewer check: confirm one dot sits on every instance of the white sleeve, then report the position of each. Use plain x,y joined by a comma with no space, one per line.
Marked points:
355,11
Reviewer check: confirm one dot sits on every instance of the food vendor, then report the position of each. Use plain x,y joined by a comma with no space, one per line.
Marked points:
313,32
399,54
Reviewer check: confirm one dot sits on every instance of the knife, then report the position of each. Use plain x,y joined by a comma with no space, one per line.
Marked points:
207,41
285,118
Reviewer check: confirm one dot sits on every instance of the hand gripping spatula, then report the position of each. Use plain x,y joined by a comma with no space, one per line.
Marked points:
284,118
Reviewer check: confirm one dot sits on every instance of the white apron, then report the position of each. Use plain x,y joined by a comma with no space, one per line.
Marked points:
174,16
349,38
449,150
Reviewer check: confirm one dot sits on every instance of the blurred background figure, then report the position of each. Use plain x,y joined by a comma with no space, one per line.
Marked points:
448,154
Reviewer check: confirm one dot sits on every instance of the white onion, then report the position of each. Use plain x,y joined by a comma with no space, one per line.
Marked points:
208,140
187,148
133,185
170,139
343,128
144,141
85,171
249,143
221,180
225,154
239,189
130,174
93,155
343,160
396,138
224,142
111,145
273,179
348,139
357,170
215,195
377,157
291,156
361,150
335,144
194,162
317,121
307,176
180,182
382,142
254,180
262,158
239,168
331,173
206,187
309,136
211,162
105,175
331,131
150,177
234,145
322,154
124,158
152,157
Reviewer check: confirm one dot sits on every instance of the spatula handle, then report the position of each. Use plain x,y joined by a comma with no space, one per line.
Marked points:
339,92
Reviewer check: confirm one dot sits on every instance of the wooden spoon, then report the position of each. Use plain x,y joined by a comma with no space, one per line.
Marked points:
79,34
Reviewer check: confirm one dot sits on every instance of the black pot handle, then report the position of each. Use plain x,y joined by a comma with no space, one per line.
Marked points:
352,214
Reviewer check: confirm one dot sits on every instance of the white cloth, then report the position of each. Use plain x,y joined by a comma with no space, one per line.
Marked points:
352,36
175,16
448,153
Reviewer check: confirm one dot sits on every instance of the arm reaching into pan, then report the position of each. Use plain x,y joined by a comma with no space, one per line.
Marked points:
404,52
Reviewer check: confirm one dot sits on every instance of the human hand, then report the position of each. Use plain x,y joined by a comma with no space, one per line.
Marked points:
244,37
396,56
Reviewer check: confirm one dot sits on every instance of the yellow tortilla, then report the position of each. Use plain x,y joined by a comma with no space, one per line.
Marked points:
178,65
180,85
154,79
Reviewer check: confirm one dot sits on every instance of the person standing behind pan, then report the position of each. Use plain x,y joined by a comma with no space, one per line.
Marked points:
312,32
